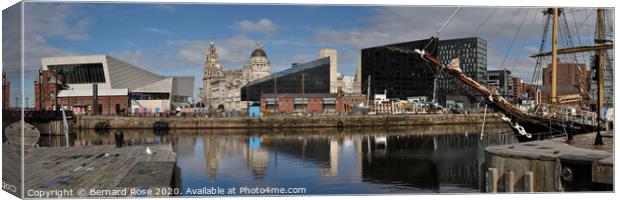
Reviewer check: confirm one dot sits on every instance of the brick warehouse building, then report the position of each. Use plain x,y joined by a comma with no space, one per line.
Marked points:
310,103
122,88
6,91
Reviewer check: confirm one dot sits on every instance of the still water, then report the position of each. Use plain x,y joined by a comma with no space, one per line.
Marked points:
421,159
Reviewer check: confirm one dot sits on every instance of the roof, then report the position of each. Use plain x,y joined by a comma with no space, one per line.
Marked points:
125,75
163,85
259,53
297,68
121,75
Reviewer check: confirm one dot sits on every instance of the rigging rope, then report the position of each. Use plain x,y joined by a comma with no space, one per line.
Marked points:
569,38
585,20
527,38
514,39
578,36
442,27
484,22
537,69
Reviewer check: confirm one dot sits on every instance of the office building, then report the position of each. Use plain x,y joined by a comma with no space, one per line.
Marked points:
569,74
472,54
392,69
517,90
501,81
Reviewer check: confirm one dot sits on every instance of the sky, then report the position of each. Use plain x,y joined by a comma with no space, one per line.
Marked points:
172,39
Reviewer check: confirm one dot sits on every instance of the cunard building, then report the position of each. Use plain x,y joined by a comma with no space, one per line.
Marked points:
221,89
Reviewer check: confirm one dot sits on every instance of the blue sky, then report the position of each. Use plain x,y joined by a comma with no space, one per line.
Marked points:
172,39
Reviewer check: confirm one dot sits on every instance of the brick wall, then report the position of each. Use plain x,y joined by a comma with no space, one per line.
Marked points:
108,104
6,94
314,105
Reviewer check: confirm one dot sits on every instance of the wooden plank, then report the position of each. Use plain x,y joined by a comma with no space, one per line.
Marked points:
93,167
493,179
529,181
509,181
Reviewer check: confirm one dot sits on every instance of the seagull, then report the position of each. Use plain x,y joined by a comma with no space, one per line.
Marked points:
148,151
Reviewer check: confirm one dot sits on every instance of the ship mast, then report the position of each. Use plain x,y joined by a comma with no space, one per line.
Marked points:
554,61
600,65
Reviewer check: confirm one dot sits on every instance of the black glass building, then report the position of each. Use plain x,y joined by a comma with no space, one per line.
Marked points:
404,74
313,74
400,73
472,54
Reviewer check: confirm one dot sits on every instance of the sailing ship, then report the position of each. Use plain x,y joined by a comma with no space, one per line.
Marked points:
547,120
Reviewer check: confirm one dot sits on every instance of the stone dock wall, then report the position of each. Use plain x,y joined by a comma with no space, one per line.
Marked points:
89,122
548,166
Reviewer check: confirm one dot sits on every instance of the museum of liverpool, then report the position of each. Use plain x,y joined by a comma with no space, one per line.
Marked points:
101,84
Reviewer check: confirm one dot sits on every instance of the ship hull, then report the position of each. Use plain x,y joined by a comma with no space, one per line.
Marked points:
542,128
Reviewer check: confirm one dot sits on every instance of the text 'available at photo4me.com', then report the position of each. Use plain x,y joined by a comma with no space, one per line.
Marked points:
164,191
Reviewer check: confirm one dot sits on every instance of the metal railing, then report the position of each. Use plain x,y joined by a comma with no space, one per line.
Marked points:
564,113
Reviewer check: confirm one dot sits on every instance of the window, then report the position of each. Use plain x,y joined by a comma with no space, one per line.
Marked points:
80,73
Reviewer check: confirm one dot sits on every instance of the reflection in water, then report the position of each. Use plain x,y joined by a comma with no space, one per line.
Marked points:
325,161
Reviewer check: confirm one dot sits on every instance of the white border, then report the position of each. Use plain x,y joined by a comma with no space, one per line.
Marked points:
564,3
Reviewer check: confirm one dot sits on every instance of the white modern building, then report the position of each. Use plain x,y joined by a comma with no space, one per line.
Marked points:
123,85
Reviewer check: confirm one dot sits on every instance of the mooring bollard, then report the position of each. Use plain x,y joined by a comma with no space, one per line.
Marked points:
482,182
493,178
509,181
118,137
529,181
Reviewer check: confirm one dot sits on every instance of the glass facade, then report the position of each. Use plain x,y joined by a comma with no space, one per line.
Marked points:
315,76
399,73
502,81
80,73
472,54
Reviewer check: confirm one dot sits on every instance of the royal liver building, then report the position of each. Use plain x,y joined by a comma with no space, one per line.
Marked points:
221,89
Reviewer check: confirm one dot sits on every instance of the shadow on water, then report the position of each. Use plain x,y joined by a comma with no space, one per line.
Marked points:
419,159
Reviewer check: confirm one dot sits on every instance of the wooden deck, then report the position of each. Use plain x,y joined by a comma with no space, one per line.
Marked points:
100,168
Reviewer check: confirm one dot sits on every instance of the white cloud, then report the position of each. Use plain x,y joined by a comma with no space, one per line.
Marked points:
176,42
233,52
55,20
38,25
263,26
155,30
